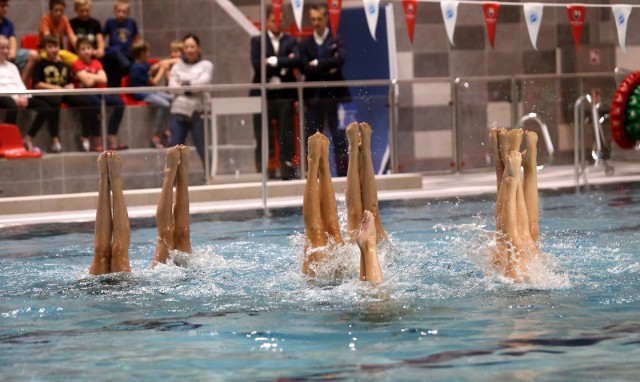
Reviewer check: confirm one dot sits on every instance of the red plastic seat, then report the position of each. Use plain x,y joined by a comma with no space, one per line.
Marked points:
30,41
11,146
128,98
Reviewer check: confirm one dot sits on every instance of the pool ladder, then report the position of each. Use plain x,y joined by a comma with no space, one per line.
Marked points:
545,136
598,114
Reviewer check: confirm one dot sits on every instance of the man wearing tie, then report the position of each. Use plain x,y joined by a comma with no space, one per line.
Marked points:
281,58
322,57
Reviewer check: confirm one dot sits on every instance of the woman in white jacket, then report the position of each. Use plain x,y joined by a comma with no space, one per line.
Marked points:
187,108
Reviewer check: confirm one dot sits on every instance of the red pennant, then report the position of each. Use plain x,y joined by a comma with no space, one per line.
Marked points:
276,6
491,18
334,7
576,14
410,11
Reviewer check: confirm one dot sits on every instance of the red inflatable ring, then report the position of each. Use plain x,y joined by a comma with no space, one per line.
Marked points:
618,108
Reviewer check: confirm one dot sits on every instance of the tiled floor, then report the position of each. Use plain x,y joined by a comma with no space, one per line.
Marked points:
433,186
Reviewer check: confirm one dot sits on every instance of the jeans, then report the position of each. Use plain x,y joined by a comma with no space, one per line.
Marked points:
118,110
162,102
180,127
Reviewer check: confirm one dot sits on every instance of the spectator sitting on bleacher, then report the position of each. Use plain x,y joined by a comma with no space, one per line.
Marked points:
55,23
144,74
51,73
88,73
25,59
10,81
121,31
84,26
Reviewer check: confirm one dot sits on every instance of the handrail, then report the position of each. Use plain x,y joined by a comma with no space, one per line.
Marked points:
545,135
578,134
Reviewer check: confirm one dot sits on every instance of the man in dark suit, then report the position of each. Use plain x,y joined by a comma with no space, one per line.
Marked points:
322,57
281,58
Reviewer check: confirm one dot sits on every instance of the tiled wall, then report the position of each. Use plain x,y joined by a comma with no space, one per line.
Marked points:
425,121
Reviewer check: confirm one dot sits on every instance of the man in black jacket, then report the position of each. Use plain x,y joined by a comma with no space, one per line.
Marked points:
281,58
322,57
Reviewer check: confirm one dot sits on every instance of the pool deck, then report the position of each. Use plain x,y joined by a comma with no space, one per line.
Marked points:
247,196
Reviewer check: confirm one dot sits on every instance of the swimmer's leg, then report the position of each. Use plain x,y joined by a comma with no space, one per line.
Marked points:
509,216
369,265
102,238
121,230
164,221
182,234
353,194
530,187
328,207
313,224
369,188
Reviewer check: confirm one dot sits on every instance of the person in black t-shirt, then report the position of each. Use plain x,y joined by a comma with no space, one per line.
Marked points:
84,26
51,73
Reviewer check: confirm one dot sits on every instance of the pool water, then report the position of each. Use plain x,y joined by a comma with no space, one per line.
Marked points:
241,310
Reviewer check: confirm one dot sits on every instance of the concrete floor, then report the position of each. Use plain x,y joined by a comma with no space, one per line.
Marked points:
433,187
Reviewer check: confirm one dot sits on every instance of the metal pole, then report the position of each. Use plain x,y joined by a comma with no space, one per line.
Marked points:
393,128
301,133
103,121
263,95
514,101
206,101
454,124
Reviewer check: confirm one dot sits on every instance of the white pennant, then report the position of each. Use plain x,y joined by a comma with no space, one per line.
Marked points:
621,14
449,14
298,5
533,17
371,10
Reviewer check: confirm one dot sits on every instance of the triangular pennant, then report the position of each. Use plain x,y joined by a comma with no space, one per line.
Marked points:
491,18
533,18
410,11
621,14
334,7
371,10
276,7
449,14
298,6
576,19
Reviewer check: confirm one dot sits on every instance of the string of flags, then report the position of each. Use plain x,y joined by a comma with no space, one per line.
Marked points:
532,14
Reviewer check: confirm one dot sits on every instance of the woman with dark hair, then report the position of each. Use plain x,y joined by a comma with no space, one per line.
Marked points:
187,108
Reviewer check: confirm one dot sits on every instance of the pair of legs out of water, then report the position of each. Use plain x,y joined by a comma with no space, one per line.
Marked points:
320,210
112,233
517,201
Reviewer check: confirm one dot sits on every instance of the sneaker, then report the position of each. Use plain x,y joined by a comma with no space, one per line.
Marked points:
56,147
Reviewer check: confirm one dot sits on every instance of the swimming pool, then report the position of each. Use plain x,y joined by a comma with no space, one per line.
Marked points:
241,310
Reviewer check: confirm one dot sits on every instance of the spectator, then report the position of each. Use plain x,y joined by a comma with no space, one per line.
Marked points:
282,57
322,58
121,31
24,59
55,23
10,81
145,74
51,73
84,26
186,109
175,55
88,73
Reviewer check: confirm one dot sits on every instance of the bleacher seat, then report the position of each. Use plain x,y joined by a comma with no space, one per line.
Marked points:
127,97
30,41
11,146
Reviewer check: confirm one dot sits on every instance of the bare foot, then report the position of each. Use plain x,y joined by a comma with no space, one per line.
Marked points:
324,147
365,134
314,144
103,169
173,158
530,155
183,167
515,139
353,134
514,160
115,168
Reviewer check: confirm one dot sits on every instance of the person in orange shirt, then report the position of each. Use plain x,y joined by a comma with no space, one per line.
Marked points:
55,23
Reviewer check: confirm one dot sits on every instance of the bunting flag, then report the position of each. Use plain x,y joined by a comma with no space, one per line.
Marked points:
449,14
298,6
621,16
533,17
371,10
276,7
576,19
410,11
334,7
491,18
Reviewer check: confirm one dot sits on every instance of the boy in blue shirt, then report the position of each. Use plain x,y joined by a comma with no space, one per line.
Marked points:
121,31
24,59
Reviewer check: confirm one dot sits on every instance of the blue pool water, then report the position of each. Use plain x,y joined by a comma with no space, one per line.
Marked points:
240,310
